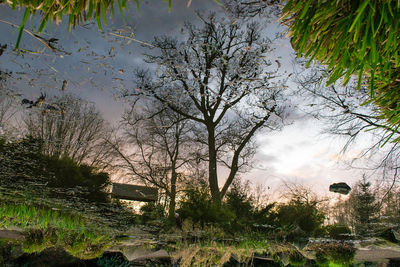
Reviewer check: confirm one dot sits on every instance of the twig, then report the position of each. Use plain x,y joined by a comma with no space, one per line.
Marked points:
28,32
130,38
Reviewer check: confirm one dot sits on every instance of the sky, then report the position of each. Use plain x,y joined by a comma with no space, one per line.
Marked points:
98,64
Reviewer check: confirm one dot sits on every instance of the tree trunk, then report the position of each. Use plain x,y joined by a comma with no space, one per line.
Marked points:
212,166
172,202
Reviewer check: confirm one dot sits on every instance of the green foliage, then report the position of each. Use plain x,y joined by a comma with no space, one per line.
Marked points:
302,215
198,206
296,258
338,231
67,174
248,217
46,228
352,37
113,261
23,160
78,11
151,212
365,207
335,252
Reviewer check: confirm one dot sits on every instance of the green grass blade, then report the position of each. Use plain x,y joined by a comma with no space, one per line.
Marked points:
138,6
21,27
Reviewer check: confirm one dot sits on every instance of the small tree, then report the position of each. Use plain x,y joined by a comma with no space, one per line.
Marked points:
153,150
364,205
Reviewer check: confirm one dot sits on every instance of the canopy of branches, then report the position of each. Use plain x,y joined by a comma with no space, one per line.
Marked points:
352,37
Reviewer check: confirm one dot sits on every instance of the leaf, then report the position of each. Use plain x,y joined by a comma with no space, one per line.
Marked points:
120,11
43,23
360,12
138,6
21,27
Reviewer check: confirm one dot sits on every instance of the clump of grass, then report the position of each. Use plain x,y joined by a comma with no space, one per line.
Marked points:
45,228
217,253
333,253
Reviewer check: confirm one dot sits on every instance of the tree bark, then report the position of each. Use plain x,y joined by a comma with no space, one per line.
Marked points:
212,165
172,201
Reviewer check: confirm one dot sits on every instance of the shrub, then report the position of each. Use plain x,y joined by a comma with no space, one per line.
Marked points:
197,206
66,173
338,231
151,212
306,216
337,252
296,258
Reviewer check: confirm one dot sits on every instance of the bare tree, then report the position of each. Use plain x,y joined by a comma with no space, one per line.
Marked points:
349,113
157,156
217,79
72,127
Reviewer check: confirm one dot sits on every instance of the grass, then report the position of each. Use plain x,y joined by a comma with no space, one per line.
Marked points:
44,228
213,253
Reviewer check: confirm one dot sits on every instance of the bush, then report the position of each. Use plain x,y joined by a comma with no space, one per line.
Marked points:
197,206
66,173
151,212
296,258
338,231
305,216
248,216
336,252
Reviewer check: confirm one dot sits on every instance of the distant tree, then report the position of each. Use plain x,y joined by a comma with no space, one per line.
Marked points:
154,148
218,80
364,205
73,128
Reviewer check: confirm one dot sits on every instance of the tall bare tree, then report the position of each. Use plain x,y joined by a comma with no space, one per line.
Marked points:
217,79
156,155
72,127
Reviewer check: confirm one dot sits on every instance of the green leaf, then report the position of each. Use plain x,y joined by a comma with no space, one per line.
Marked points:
360,12
138,6
21,27
103,11
305,9
121,11
43,23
